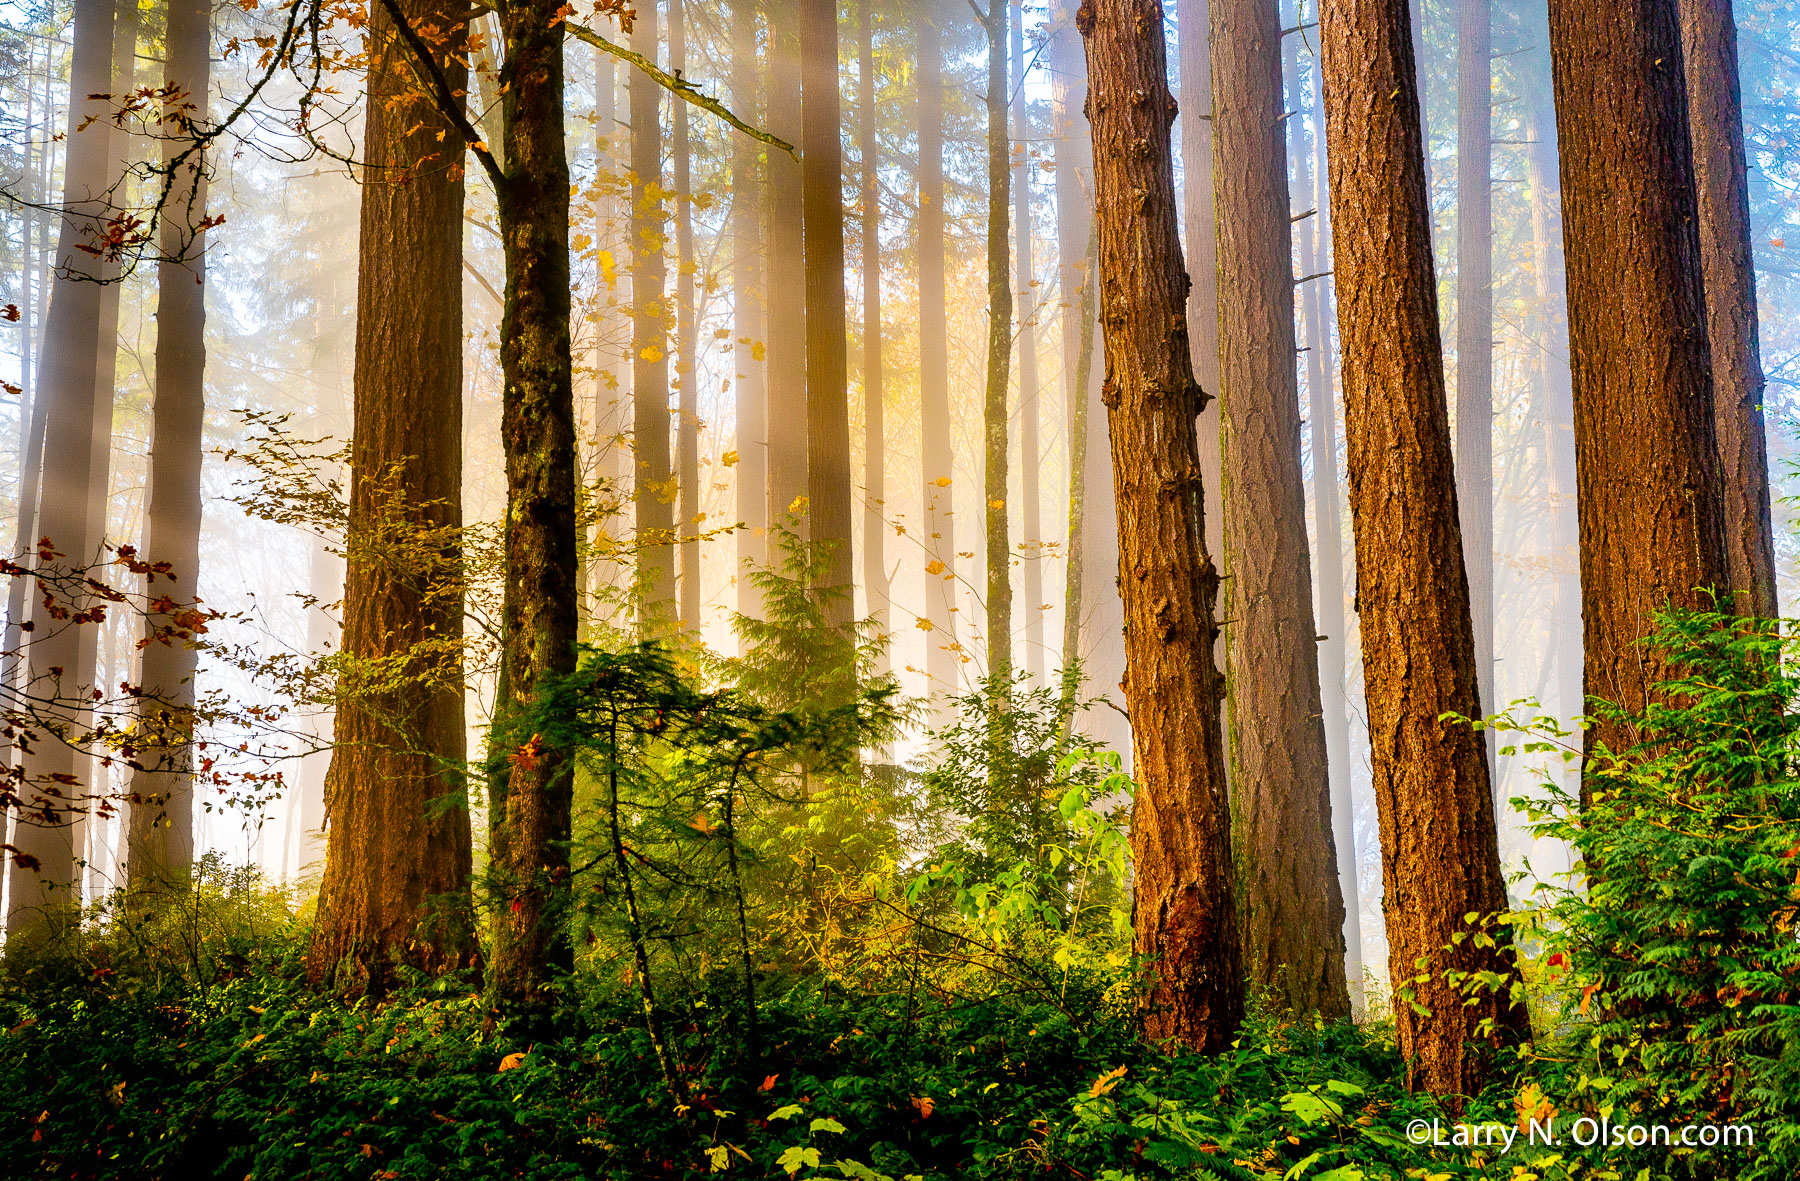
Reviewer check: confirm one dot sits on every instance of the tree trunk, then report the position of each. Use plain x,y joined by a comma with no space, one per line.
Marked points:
1079,316
653,494
994,415
1193,23
1716,125
687,379
875,581
1289,900
160,824
787,308
1552,396
1184,912
1031,527
1315,253
397,851
530,789
938,519
1475,333
827,361
44,876
748,326
1440,860
1650,499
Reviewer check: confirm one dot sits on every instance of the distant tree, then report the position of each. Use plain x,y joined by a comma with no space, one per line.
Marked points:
43,873
1440,860
1288,893
938,520
1721,177
1651,499
995,419
1193,20
1031,525
653,491
787,310
159,832
749,325
687,376
1308,153
1184,907
1475,327
874,385
827,362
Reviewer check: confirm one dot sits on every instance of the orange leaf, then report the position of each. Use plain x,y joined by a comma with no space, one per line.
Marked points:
1106,1082
924,1105
512,1062
768,1084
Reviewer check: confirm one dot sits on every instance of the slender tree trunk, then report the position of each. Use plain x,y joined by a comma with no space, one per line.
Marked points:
1193,22
994,415
397,851
1315,254
1184,912
160,824
1650,497
43,870
936,459
1440,860
787,307
1079,314
530,786
875,580
1031,526
827,360
600,578
687,380
1289,901
653,495
748,324
1475,333
1716,125
1553,396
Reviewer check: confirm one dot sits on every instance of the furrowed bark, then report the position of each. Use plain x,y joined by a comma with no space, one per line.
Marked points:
1184,912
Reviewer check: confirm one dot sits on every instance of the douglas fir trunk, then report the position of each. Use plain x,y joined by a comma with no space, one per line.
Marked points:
1183,907
1439,856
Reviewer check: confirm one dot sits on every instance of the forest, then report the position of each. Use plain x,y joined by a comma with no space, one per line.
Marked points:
899,589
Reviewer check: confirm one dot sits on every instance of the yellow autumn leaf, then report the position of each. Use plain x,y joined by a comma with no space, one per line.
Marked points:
942,481
934,567
996,504
757,352
729,459
652,353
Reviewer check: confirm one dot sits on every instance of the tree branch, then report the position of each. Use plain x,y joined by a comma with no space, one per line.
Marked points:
674,83
448,104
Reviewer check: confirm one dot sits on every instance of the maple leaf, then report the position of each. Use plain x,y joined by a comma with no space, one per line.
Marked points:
924,1105
768,1084
512,1061
10,313
1106,1082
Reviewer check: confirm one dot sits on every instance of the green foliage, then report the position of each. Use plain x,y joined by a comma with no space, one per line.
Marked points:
1676,972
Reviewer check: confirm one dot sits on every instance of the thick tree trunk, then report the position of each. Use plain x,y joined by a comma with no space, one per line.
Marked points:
1289,900
653,493
827,363
875,580
787,307
43,872
748,326
1440,860
530,788
1475,332
938,519
1716,125
160,824
1184,911
1030,507
994,417
1315,253
1650,497
397,853
687,380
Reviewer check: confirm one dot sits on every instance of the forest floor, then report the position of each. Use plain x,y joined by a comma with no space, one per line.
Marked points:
253,1075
